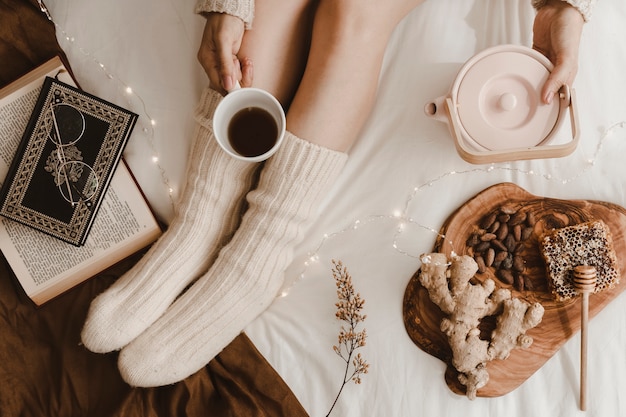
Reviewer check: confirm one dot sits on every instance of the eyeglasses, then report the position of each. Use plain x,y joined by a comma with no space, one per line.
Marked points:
77,182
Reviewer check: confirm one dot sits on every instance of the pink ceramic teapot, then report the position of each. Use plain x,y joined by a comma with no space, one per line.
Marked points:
494,108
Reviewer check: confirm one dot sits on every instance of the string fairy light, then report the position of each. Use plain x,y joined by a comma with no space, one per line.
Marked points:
402,219
127,90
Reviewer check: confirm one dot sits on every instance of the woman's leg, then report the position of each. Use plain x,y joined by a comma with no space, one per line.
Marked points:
339,86
249,271
278,45
322,59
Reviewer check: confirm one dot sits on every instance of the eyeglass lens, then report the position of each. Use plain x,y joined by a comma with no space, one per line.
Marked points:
77,181
68,124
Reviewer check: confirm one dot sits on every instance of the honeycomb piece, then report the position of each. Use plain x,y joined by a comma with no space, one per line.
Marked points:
587,243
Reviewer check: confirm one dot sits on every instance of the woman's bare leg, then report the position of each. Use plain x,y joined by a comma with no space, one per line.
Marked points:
278,45
333,72
339,85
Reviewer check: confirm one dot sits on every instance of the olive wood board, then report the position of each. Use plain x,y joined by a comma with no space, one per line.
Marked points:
561,320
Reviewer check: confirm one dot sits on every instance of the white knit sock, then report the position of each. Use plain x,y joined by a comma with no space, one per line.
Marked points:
206,215
247,274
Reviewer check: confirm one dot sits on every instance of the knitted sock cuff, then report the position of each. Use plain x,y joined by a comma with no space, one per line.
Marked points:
206,107
243,9
585,7
306,161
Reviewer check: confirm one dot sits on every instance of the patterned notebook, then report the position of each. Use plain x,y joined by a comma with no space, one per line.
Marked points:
65,161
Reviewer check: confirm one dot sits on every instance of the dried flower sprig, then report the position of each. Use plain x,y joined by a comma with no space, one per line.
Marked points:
349,310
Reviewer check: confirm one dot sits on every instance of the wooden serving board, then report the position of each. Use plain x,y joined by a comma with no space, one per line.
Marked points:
561,320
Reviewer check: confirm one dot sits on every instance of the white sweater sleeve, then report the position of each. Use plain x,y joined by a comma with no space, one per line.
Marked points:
243,9
585,7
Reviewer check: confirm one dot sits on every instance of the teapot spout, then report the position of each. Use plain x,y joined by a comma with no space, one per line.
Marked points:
436,109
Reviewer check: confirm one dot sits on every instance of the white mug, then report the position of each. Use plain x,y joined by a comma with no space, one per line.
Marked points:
241,103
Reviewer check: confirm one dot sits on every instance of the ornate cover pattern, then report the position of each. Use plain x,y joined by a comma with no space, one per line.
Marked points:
30,194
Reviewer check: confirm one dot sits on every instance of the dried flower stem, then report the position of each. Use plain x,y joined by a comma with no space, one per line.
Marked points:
349,309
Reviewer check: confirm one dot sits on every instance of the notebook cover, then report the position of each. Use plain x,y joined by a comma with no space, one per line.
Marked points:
30,195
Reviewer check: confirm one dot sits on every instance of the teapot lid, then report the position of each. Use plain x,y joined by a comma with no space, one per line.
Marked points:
498,98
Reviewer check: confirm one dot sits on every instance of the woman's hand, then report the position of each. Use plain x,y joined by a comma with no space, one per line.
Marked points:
218,51
556,34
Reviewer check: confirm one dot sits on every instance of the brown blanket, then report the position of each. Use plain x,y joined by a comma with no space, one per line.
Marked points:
44,371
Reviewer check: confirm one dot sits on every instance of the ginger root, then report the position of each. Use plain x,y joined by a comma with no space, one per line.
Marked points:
465,304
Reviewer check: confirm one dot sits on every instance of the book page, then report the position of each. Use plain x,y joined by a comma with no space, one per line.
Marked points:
14,118
44,265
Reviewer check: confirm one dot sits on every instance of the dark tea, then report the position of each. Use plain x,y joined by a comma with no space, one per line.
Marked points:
252,131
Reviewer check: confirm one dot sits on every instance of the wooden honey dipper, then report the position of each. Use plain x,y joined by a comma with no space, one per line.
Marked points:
585,282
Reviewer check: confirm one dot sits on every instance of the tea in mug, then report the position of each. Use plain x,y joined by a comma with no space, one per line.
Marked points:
252,131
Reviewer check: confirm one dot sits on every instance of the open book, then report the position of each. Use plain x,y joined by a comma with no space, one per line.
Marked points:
44,265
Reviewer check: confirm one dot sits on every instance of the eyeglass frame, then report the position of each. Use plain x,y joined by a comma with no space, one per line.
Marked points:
63,160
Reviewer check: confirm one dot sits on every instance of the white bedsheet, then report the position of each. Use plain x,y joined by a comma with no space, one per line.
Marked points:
403,179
